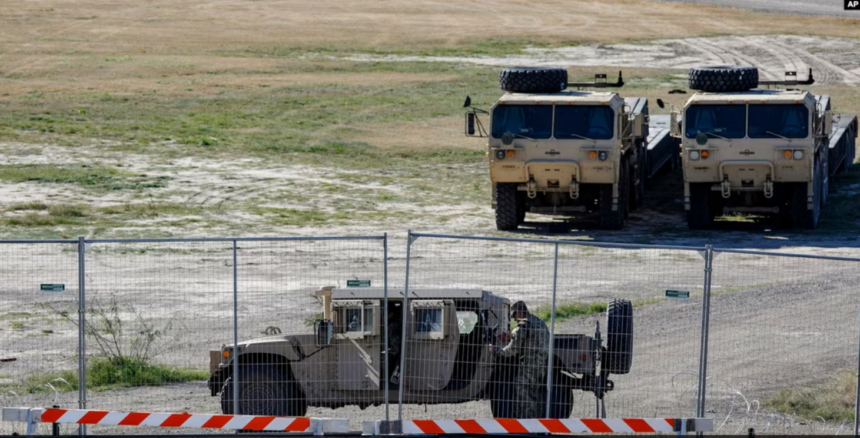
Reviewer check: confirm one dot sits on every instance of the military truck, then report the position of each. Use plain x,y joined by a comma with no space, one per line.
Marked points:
768,152
563,152
355,355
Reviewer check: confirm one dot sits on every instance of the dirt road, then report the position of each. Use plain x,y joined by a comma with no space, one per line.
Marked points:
801,7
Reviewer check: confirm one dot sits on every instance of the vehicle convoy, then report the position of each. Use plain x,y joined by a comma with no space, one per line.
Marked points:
355,356
759,151
563,152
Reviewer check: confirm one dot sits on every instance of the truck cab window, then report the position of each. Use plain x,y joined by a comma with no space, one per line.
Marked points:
727,121
773,121
595,122
530,121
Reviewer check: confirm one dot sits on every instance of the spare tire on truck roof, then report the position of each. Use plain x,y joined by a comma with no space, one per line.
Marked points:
533,79
723,78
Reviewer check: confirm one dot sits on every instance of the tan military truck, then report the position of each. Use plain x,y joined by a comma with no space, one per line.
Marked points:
355,356
564,152
756,151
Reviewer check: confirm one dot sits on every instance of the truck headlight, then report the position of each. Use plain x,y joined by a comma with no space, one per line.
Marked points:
798,155
694,155
500,154
603,155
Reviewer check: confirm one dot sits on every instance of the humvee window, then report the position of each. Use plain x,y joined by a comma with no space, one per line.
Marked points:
594,122
466,322
773,121
428,320
530,121
721,120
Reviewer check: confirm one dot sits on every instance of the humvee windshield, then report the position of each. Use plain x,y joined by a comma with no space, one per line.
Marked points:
594,122
722,120
531,121
769,121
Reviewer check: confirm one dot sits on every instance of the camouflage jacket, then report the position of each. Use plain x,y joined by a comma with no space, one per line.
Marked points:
529,341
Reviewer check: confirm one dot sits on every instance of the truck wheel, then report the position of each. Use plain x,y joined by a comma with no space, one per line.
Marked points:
700,216
618,356
723,78
264,390
503,391
522,206
561,401
507,208
615,220
533,79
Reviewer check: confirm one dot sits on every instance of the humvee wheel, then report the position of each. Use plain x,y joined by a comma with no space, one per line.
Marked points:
700,216
264,390
723,78
507,208
561,401
615,220
618,356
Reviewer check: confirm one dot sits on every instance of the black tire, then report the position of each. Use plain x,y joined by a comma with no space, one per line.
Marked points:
618,356
533,79
507,209
503,391
522,206
723,78
264,390
700,216
561,402
615,220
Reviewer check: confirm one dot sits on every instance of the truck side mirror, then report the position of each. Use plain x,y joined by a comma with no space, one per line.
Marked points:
470,124
639,125
323,330
674,126
828,123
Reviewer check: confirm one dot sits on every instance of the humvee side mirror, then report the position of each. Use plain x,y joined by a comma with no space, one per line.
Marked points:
323,330
660,103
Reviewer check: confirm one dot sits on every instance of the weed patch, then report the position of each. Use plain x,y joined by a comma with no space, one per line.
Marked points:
832,401
94,177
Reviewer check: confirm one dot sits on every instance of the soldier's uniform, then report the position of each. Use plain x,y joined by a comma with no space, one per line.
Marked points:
530,342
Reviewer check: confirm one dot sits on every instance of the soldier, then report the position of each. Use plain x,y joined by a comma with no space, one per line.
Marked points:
529,341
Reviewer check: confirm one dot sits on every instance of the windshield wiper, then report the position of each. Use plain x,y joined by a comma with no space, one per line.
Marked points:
777,135
716,135
582,137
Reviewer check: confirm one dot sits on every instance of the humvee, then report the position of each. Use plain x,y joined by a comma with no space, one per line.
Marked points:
557,151
444,359
766,152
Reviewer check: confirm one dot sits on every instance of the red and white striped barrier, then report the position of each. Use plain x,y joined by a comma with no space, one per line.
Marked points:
541,425
32,416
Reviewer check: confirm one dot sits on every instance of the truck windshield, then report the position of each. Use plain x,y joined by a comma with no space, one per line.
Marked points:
594,122
530,121
773,121
722,120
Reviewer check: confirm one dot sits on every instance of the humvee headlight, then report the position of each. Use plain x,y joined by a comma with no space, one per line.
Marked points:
798,155
500,154
704,154
510,154
694,155
603,155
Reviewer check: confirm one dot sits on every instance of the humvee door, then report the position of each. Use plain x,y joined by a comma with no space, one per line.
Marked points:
432,340
358,339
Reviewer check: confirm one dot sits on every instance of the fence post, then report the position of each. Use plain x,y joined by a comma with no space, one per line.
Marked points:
82,331
550,364
404,323
385,316
235,332
706,315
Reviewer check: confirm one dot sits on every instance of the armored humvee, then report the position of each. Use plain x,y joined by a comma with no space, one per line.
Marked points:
356,355
562,152
759,151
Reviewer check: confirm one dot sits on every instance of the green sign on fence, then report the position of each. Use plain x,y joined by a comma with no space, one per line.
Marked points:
678,294
53,287
357,283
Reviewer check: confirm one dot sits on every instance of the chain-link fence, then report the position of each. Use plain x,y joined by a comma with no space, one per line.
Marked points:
612,330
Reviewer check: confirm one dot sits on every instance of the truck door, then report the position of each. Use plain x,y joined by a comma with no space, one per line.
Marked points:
358,339
431,347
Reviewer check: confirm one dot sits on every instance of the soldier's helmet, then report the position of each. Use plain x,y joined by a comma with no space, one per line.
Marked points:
520,306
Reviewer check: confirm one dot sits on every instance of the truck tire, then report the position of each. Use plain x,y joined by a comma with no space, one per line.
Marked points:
561,401
503,390
723,78
700,216
507,208
615,220
264,390
533,79
618,356
522,206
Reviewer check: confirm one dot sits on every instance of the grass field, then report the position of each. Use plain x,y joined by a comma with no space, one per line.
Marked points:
166,118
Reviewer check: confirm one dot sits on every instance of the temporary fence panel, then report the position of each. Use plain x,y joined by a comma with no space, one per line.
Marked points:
154,309
38,326
654,295
457,323
283,288
783,343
